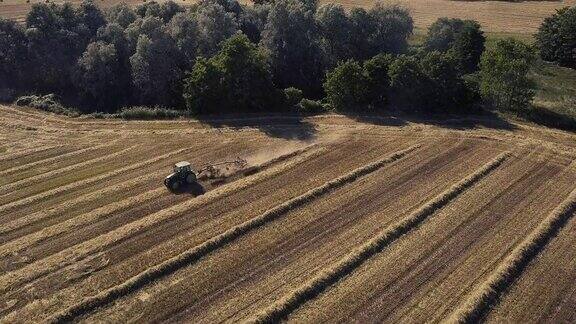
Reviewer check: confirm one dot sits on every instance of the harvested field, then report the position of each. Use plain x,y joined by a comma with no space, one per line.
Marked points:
333,219
507,17
500,17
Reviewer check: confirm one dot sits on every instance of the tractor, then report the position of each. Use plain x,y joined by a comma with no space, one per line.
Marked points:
182,175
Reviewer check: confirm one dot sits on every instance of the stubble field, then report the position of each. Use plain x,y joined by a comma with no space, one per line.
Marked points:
336,220
498,17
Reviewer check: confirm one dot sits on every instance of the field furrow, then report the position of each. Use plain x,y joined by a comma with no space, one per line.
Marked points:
148,175
29,170
121,170
33,155
315,286
106,218
546,290
59,177
444,258
336,218
219,210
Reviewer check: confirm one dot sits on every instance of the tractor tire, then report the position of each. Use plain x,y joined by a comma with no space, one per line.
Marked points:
175,185
190,179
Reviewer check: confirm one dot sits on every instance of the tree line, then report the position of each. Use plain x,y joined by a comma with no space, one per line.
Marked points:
220,56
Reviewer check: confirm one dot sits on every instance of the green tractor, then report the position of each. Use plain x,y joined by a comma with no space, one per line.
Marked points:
183,175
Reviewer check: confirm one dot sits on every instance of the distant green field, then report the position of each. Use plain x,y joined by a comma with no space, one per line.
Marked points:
555,102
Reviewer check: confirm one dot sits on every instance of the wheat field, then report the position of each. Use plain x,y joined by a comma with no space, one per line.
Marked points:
339,219
500,17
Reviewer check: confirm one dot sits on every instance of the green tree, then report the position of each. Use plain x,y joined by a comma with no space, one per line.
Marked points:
57,36
376,70
504,75
334,27
446,91
346,86
409,86
121,14
237,79
215,25
291,40
99,77
382,29
184,30
462,39
156,74
556,37
13,54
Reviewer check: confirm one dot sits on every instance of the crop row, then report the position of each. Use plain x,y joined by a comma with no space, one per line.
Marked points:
319,283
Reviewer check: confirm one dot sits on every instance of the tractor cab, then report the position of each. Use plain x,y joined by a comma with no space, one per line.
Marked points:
182,167
182,175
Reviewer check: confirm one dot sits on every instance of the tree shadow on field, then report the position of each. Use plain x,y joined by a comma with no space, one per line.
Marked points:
545,117
291,127
477,119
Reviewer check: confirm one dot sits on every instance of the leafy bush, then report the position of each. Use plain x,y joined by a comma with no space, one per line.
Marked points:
376,70
504,75
7,95
556,37
49,103
408,83
292,96
308,106
144,113
447,91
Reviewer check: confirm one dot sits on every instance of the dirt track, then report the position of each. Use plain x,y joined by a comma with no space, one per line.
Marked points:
88,231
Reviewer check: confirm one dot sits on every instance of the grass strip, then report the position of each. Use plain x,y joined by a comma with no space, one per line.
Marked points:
283,307
481,300
90,303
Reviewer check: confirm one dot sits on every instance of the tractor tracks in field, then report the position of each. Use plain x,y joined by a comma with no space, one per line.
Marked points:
51,161
326,278
77,252
69,187
448,252
485,296
14,187
31,155
364,205
122,211
220,240
105,196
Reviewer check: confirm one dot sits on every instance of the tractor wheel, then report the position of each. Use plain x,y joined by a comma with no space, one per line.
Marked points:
190,179
175,185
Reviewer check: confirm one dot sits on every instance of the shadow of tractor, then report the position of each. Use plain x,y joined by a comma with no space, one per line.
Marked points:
195,189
